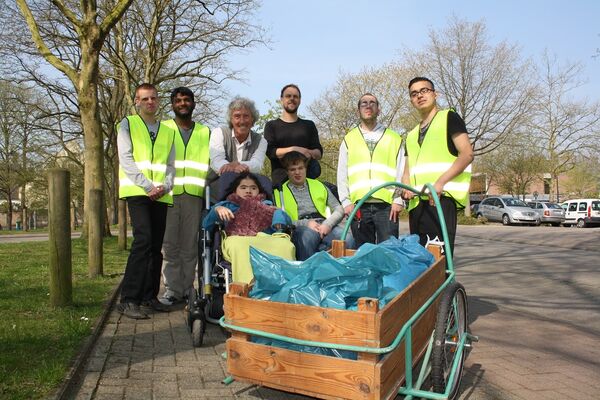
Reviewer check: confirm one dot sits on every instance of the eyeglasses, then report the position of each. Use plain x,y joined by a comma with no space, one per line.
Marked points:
423,91
365,104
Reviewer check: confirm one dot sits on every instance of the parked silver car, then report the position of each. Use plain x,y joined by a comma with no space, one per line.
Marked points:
507,210
550,213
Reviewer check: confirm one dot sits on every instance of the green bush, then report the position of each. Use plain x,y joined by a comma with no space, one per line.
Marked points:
464,220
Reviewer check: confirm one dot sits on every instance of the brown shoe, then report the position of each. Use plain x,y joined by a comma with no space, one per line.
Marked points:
131,310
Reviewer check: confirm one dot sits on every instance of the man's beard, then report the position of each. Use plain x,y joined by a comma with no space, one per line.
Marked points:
290,110
186,115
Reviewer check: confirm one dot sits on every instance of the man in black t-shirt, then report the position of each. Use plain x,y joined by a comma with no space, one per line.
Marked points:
291,133
438,151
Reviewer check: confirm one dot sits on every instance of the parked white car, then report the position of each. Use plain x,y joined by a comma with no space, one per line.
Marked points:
507,210
582,212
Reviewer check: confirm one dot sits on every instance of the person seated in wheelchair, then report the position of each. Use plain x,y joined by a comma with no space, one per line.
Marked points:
249,220
315,211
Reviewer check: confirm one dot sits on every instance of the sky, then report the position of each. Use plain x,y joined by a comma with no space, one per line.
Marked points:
312,41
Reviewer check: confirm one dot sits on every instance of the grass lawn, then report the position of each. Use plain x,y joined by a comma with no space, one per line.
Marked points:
37,342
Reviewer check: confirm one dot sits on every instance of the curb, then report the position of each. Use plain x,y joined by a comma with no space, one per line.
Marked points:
65,390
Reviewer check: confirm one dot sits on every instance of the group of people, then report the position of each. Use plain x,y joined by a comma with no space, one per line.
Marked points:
165,167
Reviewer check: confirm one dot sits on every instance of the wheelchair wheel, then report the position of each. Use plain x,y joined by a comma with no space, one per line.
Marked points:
192,295
450,327
198,327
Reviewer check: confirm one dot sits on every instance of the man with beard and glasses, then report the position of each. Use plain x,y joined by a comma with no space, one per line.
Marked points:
291,133
371,155
146,172
180,245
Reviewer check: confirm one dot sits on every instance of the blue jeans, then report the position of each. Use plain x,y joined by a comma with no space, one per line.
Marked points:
308,242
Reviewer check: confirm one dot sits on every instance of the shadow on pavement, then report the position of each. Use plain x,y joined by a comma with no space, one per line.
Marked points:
479,308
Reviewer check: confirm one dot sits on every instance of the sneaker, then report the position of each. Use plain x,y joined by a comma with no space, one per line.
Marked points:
131,310
170,300
155,305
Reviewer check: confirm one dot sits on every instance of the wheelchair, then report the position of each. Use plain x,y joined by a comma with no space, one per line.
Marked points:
214,273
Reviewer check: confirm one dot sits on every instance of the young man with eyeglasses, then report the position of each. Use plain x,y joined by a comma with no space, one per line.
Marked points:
370,155
292,133
438,151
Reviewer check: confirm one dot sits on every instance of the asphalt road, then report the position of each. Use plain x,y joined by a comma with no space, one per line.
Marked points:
534,301
30,237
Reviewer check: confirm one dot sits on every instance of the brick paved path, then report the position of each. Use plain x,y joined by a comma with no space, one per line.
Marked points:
521,354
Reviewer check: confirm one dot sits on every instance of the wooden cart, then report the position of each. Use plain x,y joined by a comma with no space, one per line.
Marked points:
371,376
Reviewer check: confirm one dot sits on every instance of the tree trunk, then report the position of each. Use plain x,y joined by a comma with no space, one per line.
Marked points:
95,257
106,230
59,238
9,211
92,129
122,225
73,217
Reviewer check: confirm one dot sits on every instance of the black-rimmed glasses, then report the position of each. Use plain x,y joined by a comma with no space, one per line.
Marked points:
423,91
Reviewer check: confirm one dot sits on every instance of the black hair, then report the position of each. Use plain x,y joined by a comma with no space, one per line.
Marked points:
420,79
245,175
184,91
291,85
292,158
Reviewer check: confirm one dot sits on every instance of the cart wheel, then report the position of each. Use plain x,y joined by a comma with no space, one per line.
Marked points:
450,326
198,332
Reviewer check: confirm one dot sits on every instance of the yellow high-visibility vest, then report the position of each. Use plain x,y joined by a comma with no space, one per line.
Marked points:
151,158
427,162
318,195
366,170
191,160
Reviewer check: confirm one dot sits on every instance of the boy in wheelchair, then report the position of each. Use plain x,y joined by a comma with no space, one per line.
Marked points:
249,219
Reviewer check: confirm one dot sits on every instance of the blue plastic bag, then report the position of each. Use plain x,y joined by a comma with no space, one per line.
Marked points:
325,281
377,271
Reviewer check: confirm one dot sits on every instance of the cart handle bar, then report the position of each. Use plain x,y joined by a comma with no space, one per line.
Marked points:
427,189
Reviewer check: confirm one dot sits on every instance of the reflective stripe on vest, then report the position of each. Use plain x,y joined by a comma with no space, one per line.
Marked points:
150,158
426,163
366,170
191,160
318,195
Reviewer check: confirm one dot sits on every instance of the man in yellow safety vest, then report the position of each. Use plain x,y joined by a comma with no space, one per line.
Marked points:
438,151
370,155
180,246
146,172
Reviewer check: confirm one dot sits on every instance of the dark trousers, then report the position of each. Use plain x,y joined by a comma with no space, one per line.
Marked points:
374,225
423,220
142,273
